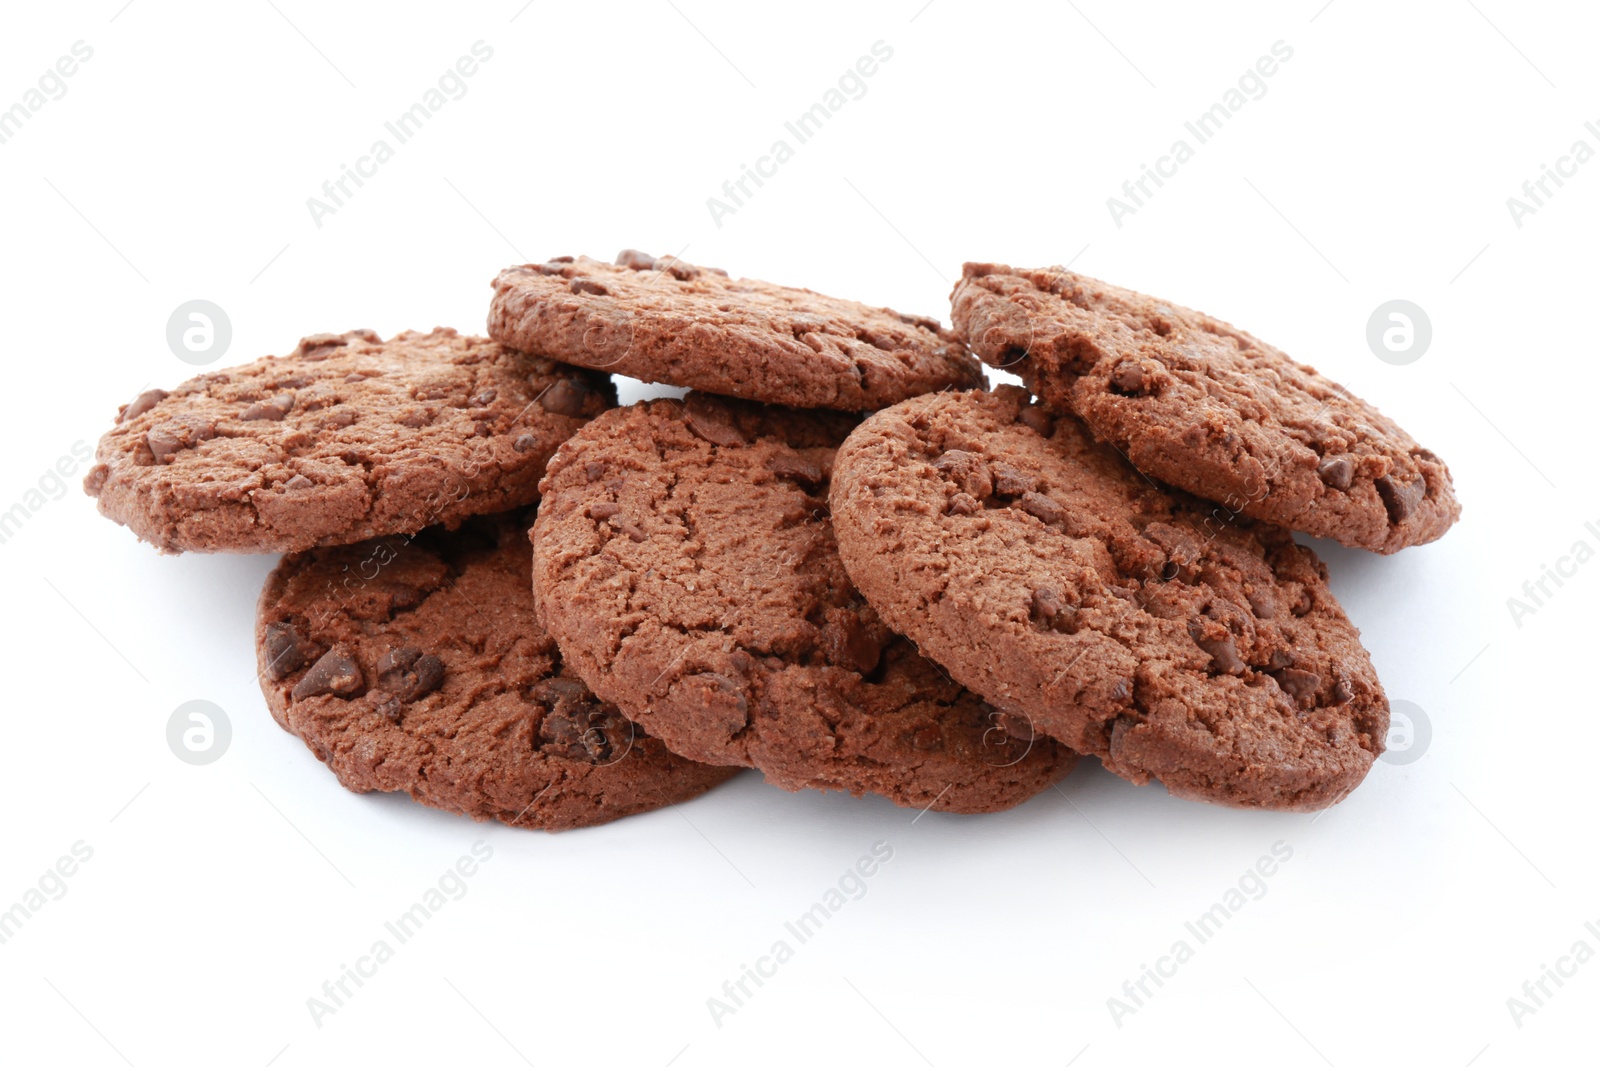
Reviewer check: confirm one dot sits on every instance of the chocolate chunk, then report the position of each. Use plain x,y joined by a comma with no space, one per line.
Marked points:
1336,472
1342,693
1261,603
602,509
1280,658
1128,378
963,504
634,259
577,731
484,398
284,654
712,422
594,471
1049,610
1224,655
1401,495
1301,685
1037,419
142,403
299,481
409,673
795,466
1008,481
172,437
567,396
1044,509
968,471
584,285
335,674
849,643
525,443
391,709
273,409
634,533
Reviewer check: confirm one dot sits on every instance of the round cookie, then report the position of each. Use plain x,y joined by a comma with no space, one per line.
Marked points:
1127,620
346,438
684,561
415,665
664,320
1194,402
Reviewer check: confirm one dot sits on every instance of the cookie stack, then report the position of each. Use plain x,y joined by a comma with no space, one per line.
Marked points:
838,559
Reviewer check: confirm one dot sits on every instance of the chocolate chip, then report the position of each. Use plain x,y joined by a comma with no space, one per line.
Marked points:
567,396
340,419
633,532
1008,481
1280,658
1342,693
968,471
962,504
634,259
577,730
562,259
1261,603
525,443
1336,472
681,270
1224,656
284,654
141,404
1037,419
354,376
711,421
1044,509
594,471
847,642
335,674
409,673
271,410
391,709
172,437
484,398
584,285
793,465
1050,610
928,739
602,509
299,481
1301,686
1128,378
1401,495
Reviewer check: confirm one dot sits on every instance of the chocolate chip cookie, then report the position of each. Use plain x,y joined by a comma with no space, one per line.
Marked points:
346,438
664,320
684,560
1120,617
1194,402
416,665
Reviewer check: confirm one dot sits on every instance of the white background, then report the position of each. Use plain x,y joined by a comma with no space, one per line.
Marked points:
1376,166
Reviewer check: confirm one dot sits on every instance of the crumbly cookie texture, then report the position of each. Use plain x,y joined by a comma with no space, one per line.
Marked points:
346,438
684,561
664,320
1123,618
1208,408
415,665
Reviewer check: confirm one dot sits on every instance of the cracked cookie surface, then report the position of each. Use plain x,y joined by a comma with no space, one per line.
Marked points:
1208,408
346,438
1121,617
684,560
664,320
414,664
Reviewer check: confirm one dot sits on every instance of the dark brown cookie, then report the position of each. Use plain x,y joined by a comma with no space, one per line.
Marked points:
684,561
1052,578
664,320
1208,408
416,665
346,438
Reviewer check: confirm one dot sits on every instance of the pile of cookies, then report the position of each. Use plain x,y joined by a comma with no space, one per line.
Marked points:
839,559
